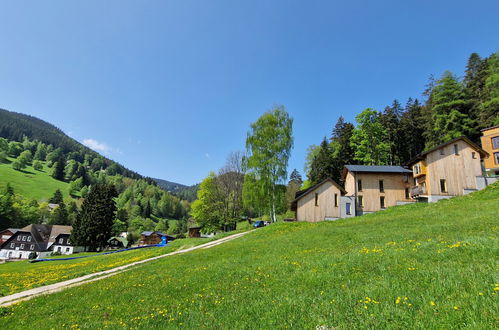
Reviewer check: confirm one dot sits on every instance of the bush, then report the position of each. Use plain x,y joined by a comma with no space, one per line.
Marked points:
37,165
17,165
32,255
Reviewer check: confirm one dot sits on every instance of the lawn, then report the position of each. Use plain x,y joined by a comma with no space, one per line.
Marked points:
31,183
22,275
415,266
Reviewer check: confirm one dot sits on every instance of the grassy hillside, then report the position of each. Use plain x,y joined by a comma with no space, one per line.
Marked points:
30,183
417,266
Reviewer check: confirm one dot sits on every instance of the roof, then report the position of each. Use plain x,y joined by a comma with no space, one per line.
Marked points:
119,239
149,233
377,169
482,152
302,193
43,235
12,230
489,128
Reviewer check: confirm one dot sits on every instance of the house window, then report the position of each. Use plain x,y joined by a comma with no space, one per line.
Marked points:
61,240
495,142
24,238
19,237
382,202
473,155
32,247
348,207
336,200
443,186
496,157
381,186
406,178
442,151
22,246
406,193
456,150
416,169
361,201
316,199
359,185
29,238
67,249
12,245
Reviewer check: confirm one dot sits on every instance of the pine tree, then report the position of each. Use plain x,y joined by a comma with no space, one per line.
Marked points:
57,198
449,111
58,169
412,127
489,108
296,176
93,225
322,166
390,119
343,152
146,210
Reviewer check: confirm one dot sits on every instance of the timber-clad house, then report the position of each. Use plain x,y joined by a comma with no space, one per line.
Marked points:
454,168
40,239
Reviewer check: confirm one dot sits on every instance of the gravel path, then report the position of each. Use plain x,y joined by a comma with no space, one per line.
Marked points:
28,294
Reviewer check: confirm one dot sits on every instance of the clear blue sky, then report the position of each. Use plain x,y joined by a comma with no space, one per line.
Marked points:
169,88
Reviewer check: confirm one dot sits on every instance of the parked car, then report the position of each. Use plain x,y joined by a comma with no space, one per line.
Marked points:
258,224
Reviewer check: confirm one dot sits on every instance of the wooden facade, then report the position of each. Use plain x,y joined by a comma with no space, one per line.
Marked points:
490,143
320,202
376,191
450,169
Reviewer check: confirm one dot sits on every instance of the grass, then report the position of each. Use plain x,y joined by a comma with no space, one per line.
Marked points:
415,266
31,183
22,275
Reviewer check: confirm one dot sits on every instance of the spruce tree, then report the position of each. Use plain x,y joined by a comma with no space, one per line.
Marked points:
57,198
93,225
58,169
343,152
60,216
322,165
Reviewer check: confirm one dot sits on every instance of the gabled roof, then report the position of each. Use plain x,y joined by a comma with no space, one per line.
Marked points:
119,239
489,128
302,193
12,230
149,233
421,156
377,169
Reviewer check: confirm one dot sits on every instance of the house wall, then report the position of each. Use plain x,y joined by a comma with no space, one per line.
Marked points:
394,189
460,171
489,163
307,211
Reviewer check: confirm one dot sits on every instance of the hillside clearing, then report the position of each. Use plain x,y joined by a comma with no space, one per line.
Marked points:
418,266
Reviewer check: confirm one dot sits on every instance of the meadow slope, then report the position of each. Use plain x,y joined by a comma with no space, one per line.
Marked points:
416,266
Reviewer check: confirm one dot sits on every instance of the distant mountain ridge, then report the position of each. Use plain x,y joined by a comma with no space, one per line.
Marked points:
169,185
188,193
14,126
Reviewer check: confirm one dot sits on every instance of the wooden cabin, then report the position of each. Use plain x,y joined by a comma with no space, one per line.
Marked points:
490,143
195,232
153,237
318,203
375,188
450,169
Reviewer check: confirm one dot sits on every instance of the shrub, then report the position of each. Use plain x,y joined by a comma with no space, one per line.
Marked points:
32,255
37,165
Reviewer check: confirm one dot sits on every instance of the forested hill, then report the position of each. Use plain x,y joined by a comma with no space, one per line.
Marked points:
188,193
15,126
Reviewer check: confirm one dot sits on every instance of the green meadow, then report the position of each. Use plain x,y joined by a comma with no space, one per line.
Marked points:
415,266
31,183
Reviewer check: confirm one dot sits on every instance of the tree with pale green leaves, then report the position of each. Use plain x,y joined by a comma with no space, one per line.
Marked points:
368,139
208,209
269,145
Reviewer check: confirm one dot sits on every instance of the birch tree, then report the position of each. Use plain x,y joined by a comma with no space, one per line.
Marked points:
269,143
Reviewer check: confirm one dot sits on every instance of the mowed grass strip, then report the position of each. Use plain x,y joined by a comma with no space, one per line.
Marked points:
415,266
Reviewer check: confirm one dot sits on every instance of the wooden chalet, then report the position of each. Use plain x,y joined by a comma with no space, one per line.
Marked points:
153,237
490,143
450,169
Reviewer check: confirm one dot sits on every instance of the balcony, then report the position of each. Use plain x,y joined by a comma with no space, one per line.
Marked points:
418,190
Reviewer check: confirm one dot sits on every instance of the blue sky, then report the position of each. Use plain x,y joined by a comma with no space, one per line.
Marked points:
169,88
